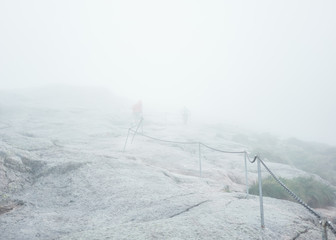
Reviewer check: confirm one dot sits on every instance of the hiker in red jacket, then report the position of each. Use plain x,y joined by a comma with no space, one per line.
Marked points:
137,110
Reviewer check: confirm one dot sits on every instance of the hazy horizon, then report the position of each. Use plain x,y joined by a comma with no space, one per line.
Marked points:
265,65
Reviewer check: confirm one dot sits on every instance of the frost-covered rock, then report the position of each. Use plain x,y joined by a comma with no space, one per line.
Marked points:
64,176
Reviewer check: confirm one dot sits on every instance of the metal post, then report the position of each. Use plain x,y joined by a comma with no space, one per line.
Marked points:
246,180
126,140
142,125
200,158
136,131
324,230
260,196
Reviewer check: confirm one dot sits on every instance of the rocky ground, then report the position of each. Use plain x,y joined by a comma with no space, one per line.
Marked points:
64,175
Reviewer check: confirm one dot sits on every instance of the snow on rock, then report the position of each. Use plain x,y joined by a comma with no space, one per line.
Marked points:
64,176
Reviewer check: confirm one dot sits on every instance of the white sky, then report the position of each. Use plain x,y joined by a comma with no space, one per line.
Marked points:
270,65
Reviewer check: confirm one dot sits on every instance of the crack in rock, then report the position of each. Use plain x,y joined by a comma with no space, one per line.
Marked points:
9,207
191,207
228,203
176,196
175,179
298,234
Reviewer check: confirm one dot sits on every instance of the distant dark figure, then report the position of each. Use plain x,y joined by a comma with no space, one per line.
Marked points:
185,115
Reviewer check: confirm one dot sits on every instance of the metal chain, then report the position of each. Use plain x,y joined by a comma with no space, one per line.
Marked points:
299,200
218,150
331,227
251,161
161,140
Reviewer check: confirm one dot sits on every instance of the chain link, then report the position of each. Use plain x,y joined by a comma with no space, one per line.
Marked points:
297,198
331,227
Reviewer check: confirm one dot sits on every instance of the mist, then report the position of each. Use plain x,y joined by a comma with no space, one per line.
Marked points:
268,66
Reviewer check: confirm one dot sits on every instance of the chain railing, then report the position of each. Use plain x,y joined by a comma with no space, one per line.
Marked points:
324,223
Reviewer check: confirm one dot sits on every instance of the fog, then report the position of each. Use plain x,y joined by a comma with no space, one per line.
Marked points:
266,65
